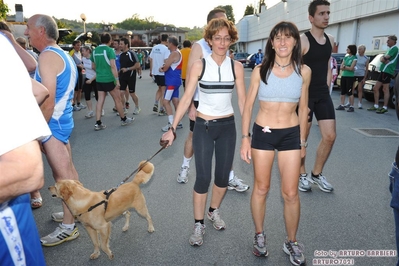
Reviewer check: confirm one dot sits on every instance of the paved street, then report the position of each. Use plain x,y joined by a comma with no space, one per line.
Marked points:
356,216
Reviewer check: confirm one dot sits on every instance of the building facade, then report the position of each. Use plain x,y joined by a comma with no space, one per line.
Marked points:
357,22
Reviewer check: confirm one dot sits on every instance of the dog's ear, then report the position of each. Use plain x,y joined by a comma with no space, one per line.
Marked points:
65,191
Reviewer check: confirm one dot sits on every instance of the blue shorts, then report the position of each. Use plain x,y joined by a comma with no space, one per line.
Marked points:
172,91
281,139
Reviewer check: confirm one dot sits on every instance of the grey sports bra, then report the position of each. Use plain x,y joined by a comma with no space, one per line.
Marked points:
281,89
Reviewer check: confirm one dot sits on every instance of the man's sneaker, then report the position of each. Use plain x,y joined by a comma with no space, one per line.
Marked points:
98,127
294,250
180,125
183,175
82,106
166,128
60,235
359,106
304,184
218,223
321,181
236,184
197,238
351,109
372,108
260,245
381,110
136,110
155,108
76,108
59,216
340,107
128,120
347,105
90,114
162,112
127,105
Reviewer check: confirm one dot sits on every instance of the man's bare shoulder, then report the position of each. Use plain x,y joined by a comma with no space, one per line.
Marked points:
196,51
304,43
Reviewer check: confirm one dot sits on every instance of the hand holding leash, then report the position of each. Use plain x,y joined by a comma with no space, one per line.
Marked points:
168,138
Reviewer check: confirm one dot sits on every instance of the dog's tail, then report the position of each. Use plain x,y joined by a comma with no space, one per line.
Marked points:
145,174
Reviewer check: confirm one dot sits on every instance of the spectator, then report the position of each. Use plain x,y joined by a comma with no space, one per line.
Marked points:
185,53
347,77
258,57
77,58
89,84
361,72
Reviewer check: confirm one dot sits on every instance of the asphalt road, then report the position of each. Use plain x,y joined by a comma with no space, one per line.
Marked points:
356,216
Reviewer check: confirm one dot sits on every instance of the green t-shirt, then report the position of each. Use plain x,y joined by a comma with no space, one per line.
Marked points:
348,60
101,56
391,65
140,57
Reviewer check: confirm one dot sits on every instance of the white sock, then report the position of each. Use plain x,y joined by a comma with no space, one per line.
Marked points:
376,105
385,107
170,119
186,162
231,175
68,226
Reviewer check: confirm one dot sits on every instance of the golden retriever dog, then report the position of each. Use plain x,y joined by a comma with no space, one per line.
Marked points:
98,221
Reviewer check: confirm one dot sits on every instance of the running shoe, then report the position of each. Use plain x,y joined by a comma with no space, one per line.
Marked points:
295,251
81,106
372,108
98,127
76,108
90,114
236,184
60,235
218,223
382,110
197,238
128,120
166,128
304,184
155,108
260,249
182,178
350,109
340,107
179,126
136,110
321,181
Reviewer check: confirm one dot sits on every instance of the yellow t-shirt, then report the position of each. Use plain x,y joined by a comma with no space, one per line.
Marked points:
185,52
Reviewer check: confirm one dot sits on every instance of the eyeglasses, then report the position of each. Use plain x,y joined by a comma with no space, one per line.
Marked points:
220,39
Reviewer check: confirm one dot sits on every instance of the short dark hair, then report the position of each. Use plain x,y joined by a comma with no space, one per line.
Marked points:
352,48
186,43
313,6
116,40
212,13
393,38
164,37
105,37
124,40
76,42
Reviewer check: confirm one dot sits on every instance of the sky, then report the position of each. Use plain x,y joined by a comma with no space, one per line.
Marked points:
181,13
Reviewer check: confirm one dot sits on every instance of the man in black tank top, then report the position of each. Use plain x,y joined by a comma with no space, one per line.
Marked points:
316,51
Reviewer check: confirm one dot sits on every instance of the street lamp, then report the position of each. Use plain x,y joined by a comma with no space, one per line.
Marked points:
130,33
83,17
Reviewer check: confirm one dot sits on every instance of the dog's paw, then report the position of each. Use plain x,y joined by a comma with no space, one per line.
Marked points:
151,229
95,255
111,256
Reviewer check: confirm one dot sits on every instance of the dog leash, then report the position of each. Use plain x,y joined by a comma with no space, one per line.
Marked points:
107,193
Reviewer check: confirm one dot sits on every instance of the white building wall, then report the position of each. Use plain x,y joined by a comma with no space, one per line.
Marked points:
351,22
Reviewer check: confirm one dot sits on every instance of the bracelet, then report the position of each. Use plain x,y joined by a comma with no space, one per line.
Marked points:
303,144
246,136
173,129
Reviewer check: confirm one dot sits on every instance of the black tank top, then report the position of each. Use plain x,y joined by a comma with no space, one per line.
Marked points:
317,59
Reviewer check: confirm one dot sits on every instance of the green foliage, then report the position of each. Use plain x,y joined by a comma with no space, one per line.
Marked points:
3,10
229,12
249,10
194,34
136,23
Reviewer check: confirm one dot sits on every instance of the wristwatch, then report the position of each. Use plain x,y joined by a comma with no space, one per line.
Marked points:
304,144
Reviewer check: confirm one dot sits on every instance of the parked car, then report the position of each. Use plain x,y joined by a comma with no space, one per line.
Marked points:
374,71
250,62
241,57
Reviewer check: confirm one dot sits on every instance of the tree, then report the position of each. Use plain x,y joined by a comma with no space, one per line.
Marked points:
249,10
3,10
229,12
261,3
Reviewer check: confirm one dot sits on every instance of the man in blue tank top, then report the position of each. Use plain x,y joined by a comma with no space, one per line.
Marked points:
316,51
58,73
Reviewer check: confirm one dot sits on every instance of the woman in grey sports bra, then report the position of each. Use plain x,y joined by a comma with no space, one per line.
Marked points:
281,84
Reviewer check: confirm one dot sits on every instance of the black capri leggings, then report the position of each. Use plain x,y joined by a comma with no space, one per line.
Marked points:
88,88
211,136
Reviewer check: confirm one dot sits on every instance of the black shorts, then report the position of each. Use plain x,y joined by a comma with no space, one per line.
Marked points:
385,78
281,139
358,78
160,80
108,86
347,85
79,83
131,82
322,107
